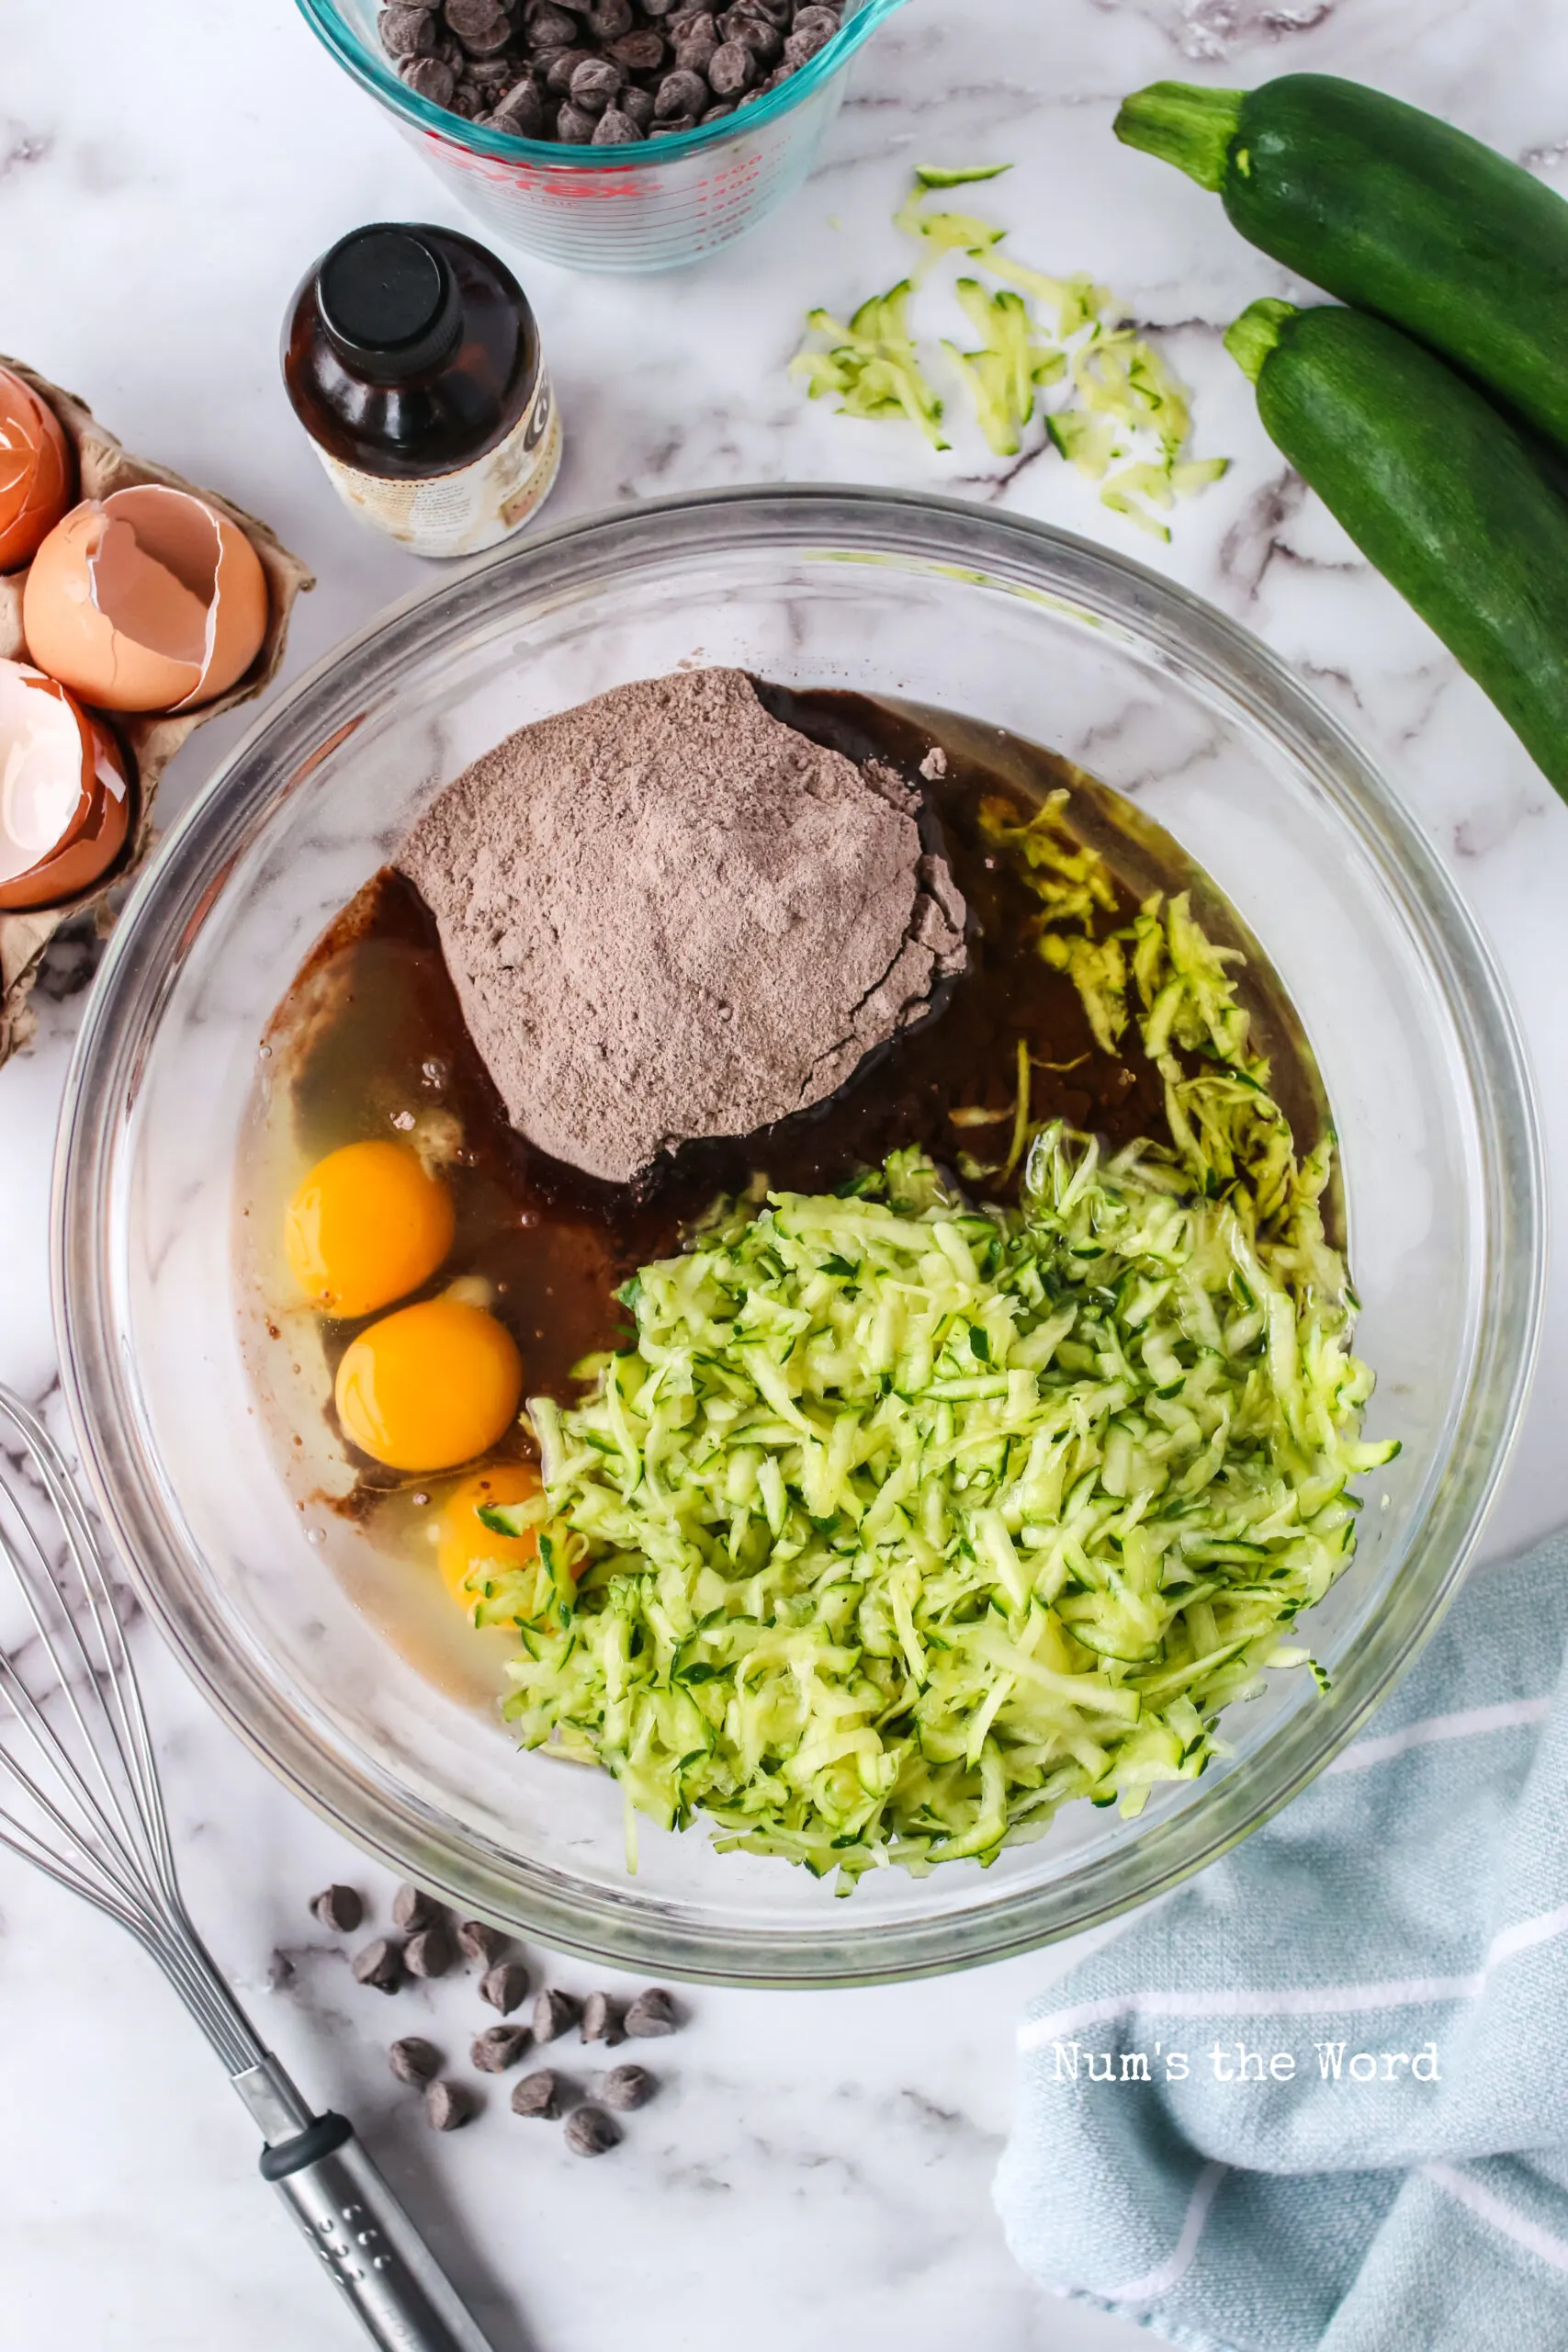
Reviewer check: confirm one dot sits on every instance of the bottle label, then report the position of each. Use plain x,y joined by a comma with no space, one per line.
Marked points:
472,508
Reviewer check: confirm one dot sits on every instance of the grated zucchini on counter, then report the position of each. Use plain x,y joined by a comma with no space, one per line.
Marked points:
899,1524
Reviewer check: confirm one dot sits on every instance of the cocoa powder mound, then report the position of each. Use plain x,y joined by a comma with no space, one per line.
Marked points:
668,915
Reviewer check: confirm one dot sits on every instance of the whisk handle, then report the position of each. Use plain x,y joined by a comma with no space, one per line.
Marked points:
389,2275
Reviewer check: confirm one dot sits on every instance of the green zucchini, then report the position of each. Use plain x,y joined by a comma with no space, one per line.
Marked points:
1437,488
1390,209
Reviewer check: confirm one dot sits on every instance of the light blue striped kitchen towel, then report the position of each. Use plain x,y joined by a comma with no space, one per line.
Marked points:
1317,2099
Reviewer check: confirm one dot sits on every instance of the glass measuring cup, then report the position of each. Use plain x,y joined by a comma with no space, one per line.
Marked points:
655,205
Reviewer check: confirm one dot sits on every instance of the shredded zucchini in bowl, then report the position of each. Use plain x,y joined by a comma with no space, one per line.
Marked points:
898,1523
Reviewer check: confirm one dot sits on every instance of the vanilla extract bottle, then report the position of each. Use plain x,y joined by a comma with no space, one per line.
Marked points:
412,359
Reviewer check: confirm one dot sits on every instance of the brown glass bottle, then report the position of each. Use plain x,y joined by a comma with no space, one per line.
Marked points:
413,360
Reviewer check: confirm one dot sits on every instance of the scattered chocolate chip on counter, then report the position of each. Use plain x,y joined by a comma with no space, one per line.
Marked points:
428,1953
499,2047
554,2012
652,2014
413,1910
478,1941
538,2093
379,1964
448,2107
602,2021
571,72
591,2133
505,1986
416,2062
339,1908
625,2087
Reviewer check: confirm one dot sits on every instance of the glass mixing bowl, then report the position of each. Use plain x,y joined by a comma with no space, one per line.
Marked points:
654,206
954,604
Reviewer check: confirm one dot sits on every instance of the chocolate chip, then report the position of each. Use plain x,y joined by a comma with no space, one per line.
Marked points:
608,19
412,1907
449,2106
551,28
625,2087
657,7
638,105
801,48
614,128
475,1940
415,2062
638,53
538,2093
716,114
466,100
652,2014
681,93
379,1964
428,78
341,1908
673,130
754,33
407,32
553,2013
589,2132
498,2047
734,69
521,111
595,84
695,43
775,12
429,1953
559,65
816,20
575,128
505,1986
602,2020
468,16
492,73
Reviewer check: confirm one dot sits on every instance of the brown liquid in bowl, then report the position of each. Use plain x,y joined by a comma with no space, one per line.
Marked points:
370,1040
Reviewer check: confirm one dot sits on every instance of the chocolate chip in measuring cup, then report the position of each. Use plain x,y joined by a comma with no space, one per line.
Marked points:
801,48
429,79
681,93
595,84
522,111
614,128
638,106
734,68
574,128
407,32
764,40
638,53
608,19
559,65
550,27
716,114
816,20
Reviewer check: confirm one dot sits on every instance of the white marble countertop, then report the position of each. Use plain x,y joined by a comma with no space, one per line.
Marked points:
819,2166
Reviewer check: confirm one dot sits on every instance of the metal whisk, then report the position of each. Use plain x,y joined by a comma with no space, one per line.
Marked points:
80,1798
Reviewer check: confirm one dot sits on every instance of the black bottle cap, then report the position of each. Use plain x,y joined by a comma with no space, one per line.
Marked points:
388,301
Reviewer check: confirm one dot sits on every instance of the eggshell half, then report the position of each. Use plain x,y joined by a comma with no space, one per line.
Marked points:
146,600
65,793
38,472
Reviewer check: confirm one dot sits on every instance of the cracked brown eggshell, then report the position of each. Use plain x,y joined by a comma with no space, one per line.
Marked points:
65,793
146,600
38,471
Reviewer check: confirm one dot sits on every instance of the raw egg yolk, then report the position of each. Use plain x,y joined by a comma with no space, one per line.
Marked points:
368,1225
430,1386
468,1547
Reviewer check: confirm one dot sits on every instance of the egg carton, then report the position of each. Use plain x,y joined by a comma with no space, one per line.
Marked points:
150,739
